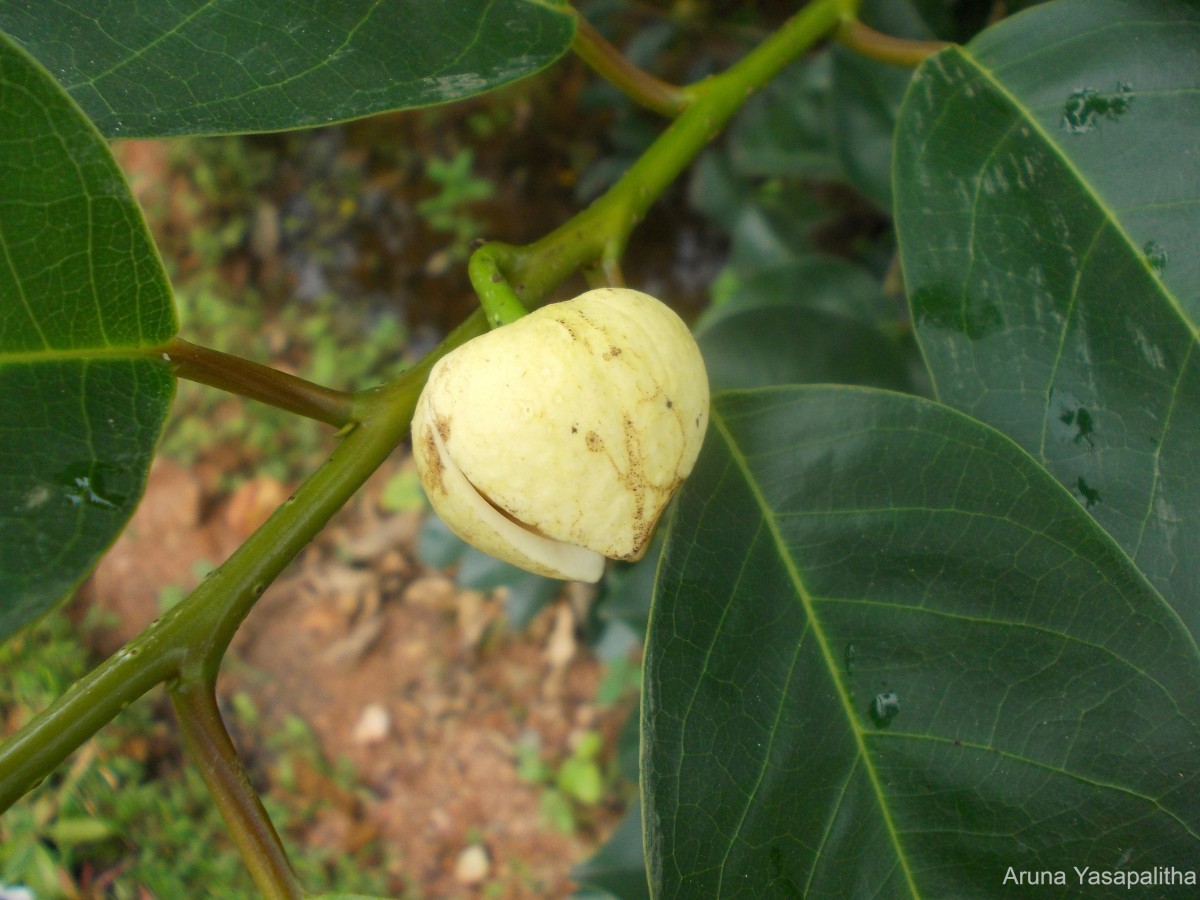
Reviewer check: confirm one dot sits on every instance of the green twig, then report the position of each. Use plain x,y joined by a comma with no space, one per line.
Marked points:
599,233
638,85
876,45
210,747
256,381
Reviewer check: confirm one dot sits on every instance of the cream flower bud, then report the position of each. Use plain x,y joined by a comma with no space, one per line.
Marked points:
558,440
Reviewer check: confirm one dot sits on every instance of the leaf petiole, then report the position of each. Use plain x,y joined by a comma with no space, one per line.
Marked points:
610,64
256,381
886,48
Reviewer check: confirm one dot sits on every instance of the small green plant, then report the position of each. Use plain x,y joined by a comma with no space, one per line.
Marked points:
621,680
402,493
568,790
121,819
449,209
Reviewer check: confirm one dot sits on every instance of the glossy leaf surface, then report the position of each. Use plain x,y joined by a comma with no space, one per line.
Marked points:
866,100
82,292
794,345
781,131
217,66
1049,213
928,664
617,870
816,282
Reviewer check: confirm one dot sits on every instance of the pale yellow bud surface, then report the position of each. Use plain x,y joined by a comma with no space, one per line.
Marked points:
558,440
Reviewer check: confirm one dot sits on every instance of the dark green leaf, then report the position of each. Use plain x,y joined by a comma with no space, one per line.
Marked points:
950,21
1049,215
82,296
437,545
866,100
782,130
628,587
816,282
769,224
616,622
216,66
76,440
714,190
925,665
793,345
618,870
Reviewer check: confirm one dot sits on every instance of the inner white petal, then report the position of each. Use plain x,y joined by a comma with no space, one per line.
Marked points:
567,561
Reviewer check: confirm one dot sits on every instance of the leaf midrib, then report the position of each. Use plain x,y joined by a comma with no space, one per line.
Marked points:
806,599
66,354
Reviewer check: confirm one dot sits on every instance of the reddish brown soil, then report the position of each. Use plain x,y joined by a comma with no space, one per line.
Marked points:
419,685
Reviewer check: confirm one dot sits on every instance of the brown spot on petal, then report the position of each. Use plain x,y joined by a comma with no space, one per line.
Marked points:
612,353
635,474
434,467
443,427
593,441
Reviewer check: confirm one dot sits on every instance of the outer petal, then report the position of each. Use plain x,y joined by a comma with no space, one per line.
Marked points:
469,515
578,421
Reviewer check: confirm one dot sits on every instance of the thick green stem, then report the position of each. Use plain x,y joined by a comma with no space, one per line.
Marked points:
188,642
87,706
211,749
599,233
258,382
639,86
